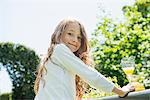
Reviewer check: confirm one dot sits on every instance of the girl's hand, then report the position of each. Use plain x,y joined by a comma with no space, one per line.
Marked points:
126,89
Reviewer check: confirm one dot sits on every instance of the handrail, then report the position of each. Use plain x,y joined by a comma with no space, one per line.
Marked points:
139,95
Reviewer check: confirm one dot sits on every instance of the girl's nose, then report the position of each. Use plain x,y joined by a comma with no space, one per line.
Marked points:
75,39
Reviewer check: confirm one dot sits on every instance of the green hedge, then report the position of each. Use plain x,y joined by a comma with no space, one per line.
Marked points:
7,96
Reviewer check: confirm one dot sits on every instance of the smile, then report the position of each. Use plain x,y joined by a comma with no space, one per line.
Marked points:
72,45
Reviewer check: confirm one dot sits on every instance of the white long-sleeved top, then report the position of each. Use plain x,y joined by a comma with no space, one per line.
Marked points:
60,77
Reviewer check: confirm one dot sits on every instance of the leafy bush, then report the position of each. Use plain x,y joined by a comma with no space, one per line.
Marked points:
21,63
6,96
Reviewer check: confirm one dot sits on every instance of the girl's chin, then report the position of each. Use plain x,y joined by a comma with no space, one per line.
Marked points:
73,50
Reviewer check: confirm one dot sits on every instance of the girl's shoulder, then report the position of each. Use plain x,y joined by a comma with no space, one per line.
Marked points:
61,50
61,47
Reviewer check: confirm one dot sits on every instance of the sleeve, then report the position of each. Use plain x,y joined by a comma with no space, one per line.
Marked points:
64,57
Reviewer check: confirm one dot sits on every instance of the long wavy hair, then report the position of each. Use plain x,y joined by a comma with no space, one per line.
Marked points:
56,39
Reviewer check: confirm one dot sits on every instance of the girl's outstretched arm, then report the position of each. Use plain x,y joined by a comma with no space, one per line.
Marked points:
64,57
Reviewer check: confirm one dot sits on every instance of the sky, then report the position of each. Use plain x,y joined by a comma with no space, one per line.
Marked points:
31,22
5,82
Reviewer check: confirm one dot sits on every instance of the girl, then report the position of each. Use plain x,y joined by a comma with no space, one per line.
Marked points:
59,75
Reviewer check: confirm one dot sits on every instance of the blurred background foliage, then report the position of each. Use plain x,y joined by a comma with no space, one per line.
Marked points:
124,39
21,63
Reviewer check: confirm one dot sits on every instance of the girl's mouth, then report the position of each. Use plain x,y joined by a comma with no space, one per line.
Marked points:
73,45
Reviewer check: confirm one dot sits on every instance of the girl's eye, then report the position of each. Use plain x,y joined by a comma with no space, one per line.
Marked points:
69,33
79,38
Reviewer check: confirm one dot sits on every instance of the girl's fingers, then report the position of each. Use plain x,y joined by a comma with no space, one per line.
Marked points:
127,89
132,88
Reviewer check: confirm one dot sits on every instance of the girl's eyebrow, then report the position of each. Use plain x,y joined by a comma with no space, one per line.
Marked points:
74,31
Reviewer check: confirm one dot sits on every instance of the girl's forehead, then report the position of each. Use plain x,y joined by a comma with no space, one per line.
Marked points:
73,26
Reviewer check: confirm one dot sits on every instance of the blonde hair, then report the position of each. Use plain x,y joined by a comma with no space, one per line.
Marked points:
55,39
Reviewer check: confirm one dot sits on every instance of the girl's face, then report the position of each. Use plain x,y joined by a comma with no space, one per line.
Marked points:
72,36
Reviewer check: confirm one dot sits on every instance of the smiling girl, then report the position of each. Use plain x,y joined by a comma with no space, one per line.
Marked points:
66,69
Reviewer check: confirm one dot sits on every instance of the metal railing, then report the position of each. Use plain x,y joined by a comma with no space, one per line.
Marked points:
139,95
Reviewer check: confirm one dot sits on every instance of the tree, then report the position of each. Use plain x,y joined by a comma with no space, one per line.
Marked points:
107,56
138,21
130,38
21,63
